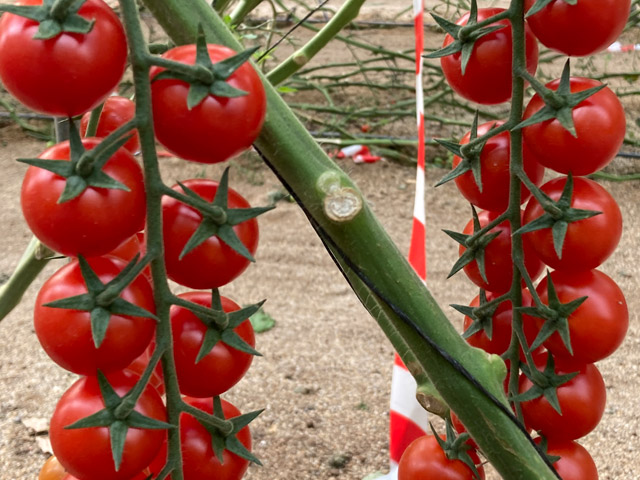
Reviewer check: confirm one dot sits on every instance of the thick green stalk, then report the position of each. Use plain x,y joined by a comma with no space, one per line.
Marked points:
336,205
347,13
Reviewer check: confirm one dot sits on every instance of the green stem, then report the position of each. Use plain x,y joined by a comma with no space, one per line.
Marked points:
304,167
34,259
241,10
94,118
60,8
347,13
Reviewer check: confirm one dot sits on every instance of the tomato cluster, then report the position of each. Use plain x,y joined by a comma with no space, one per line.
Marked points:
87,199
575,315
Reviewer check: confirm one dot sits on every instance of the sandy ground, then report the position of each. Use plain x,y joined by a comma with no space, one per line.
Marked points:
325,374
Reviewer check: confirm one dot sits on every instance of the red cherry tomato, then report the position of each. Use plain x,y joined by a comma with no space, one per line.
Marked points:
116,112
86,452
96,221
598,326
494,167
582,400
575,462
584,28
66,334
199,460
213,263
487,78
66,75
424,458
589,242
223,366
497,257
600,126
217,128
501,326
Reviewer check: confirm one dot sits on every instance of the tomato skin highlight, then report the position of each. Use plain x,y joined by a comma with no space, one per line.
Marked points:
216,129
582,401
86,452
487,77
213,263
67,75
600,126
494,160
599,325
425,459
116,112
582,29
66,334
498,263
221,368
589,242
95,222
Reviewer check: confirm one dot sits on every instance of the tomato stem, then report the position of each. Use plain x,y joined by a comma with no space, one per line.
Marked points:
60,9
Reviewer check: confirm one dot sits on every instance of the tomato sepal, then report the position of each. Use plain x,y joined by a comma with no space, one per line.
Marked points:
118,415
481,316
102,299
52,22
456,446
558,215
559,104
545,383
218,219
540,4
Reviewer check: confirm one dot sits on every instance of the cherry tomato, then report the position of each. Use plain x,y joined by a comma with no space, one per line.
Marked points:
487,78
86,452
424,458
494,167
217,128
584,28
497,257
66,334
589,242
199,460
66,75
116,112
600,127
582,400
575,462
213,263
96,221
223,366
501,326
598,326
52,470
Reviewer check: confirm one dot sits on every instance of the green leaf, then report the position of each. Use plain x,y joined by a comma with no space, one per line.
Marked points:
262,321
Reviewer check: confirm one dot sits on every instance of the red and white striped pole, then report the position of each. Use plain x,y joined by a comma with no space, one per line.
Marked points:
407,419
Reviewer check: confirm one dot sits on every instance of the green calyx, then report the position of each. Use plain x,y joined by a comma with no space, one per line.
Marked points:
559,104
218,219
481,316
103,300
117,419
456,447
556,316
464,37
220,326
545,383
227,440
474,246
469,155
84,167
207,78
558,215
54,16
